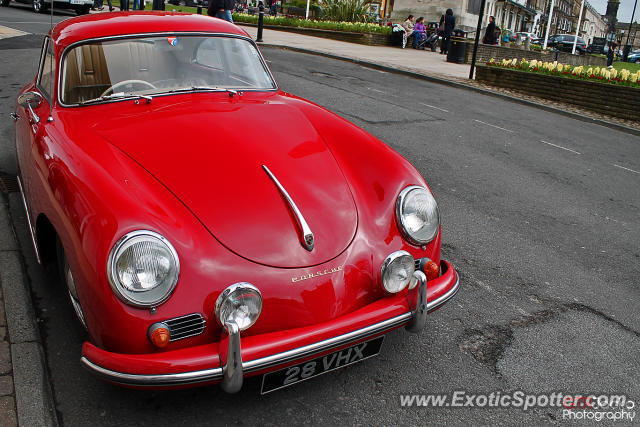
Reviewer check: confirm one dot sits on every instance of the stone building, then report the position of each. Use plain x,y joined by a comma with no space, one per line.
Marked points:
593,25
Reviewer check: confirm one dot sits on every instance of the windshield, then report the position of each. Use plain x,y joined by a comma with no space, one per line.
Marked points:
163,64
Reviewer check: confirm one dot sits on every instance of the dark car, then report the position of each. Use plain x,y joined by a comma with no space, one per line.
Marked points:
41,6
634,57
564,43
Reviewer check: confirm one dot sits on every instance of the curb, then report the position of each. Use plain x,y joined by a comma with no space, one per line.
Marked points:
452,83
33,396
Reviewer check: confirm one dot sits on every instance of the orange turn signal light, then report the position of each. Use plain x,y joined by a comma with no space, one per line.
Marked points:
431,270
159,335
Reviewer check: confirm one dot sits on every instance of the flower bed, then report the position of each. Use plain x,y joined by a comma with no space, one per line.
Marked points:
283,21
603,75
618,99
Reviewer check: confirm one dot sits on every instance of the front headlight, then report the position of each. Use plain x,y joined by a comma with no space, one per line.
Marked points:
240,303
143,268
396,271
417,215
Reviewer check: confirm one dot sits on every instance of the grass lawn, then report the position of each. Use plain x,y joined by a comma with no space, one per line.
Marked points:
619,65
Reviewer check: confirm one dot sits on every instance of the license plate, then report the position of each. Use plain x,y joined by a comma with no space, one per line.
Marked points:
77,2
318,366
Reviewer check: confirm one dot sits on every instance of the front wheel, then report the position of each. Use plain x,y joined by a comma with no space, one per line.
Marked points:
66,276
38,6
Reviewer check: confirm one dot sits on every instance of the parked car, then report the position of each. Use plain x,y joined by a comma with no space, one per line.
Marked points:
634,56
207,225
564,43
532,37
81,7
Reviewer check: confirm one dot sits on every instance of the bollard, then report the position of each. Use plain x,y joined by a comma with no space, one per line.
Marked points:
260,20
527,42
199,10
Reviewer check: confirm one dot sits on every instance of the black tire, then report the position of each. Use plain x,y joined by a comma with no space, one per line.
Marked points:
5,2
83,10
38,6
66,278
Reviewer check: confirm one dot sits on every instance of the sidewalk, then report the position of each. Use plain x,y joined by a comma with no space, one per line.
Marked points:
422,62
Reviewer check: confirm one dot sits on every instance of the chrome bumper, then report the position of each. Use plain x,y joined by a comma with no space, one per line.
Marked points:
233,368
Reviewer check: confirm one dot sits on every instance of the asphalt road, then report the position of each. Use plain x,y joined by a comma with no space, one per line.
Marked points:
540,215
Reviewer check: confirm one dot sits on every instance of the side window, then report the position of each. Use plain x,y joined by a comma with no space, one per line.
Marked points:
47,70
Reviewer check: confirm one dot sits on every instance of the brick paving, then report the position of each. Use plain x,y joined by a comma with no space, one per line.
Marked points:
8,417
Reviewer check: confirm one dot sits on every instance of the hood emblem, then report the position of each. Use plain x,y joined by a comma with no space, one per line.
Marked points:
306,236
316,274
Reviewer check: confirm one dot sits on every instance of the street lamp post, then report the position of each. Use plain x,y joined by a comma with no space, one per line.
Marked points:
546,33
575,41
475,44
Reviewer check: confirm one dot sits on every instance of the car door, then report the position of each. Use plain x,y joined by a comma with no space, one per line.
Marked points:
32,123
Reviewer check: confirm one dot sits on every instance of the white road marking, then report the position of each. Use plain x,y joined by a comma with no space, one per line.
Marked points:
560,146
627,169
493,126
433,106
375,90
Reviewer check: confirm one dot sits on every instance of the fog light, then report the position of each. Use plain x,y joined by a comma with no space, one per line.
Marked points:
396,271
159,334
240,303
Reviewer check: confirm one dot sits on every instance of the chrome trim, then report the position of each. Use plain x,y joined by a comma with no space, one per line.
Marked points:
112,277
232,355
231,289
78,309
400,220
31,230
155,326
216,374
300,352
385,264
162,34
306,239
153,380
419,305
26,99
186,326
445,297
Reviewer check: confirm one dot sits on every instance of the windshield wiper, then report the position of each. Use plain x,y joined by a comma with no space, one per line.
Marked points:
205,88
117,95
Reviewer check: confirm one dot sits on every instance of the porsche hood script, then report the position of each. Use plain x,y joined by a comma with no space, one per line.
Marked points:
316,274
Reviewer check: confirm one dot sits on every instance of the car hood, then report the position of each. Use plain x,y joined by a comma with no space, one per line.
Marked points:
210,156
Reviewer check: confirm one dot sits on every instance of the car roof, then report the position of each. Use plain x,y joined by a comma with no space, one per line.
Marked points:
122,23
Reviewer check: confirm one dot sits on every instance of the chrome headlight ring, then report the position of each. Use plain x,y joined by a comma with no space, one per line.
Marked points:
417,215
396,271
240,303
143,268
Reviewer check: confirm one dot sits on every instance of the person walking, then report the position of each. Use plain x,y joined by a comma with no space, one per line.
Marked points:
448,23
124,4
221,9
611,54
490,32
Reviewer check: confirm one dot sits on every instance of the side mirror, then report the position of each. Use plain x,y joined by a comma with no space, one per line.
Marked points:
29,100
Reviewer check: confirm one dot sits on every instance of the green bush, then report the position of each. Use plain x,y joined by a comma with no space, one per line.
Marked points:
354,27
346,10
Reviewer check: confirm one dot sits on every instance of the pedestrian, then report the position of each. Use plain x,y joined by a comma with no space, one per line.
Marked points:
124,4
97,5
448,23
136,4
419,32
490,32
221,9
157,5
274,8
610,54
408,29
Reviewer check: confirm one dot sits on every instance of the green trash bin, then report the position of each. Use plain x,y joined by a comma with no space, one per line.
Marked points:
457,52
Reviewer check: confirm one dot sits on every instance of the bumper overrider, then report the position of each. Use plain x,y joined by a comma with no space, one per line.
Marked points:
254,355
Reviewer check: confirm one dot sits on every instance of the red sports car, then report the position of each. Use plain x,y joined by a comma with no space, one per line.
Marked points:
209,226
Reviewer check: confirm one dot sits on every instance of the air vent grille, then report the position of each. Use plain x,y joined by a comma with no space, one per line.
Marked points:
186,326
